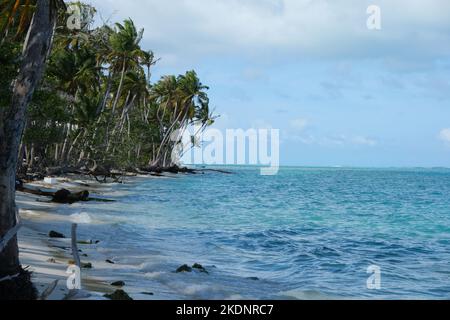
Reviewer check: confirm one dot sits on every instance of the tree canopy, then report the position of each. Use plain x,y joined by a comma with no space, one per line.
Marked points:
97,102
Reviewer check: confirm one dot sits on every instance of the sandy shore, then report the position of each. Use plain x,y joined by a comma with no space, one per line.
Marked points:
48,258
147,272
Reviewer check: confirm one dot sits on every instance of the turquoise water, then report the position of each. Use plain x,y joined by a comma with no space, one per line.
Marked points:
305,233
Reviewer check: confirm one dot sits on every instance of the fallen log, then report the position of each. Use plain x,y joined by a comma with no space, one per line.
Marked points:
61,196
57,171
172,169
37,192
106,173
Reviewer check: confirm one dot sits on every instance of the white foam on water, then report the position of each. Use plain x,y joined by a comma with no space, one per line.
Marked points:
196,289
154,275
156,265
30,212
81,218
299,294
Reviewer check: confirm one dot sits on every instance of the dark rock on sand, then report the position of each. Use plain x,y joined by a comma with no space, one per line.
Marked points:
88,242
118,284
118,295
199,267
61,195
57,235
66,197
19,184
173,169
84,265
184,268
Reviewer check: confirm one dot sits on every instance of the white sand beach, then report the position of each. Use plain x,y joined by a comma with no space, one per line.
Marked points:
48,258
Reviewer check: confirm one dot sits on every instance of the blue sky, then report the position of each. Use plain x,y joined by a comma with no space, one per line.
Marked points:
340,94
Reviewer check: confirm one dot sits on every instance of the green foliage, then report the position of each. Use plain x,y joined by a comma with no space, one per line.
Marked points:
97,103
46,116
9,63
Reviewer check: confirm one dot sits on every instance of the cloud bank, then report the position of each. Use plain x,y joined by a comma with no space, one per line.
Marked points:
298,28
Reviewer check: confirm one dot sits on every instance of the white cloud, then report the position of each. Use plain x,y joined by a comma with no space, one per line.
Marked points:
340,140
364,141
345,140
300,28
299,124
444,135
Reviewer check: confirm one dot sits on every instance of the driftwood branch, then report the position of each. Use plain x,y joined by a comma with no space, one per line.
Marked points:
8,278
47,292
73,292
8,236
76,256
76,293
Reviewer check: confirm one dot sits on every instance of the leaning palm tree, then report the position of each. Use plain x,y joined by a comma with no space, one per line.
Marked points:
184,102
126,52
125,55
12,121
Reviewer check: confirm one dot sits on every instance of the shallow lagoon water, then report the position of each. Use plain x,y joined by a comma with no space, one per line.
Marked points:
307,233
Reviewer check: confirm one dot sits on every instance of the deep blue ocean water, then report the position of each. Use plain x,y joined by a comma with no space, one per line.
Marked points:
306,233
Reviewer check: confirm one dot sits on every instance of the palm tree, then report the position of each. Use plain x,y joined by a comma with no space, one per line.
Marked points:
135,84
125,55
184,102
15,14
76,75
12,121
126,52
85,114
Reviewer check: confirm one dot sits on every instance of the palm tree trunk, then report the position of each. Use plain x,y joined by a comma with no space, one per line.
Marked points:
56,152
67,131
164,145
21,155
74,144
116,101
12,122
31,162
102,106
119,89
